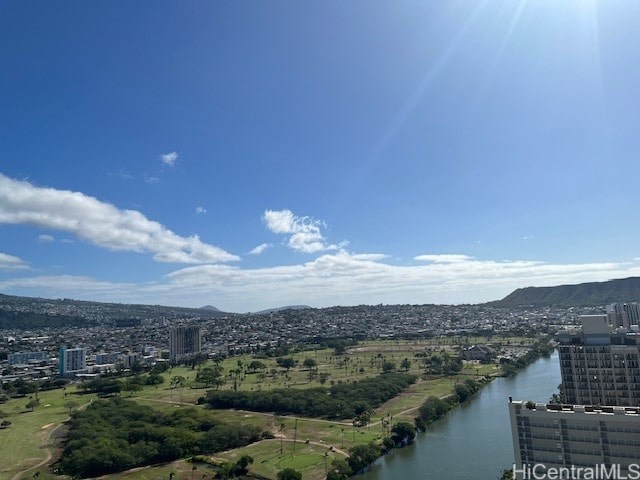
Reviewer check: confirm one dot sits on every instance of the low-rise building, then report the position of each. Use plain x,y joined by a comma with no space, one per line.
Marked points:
482,353
25,358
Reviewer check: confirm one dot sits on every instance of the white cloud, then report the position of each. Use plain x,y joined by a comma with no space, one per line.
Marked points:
201,210
169,158
151,179
345,278
449,258
100,223
338,278
349,279
305,235
9,262
44,238
121,174
260,249
282,221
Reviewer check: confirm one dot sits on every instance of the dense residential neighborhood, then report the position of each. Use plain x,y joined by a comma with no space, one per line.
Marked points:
119,336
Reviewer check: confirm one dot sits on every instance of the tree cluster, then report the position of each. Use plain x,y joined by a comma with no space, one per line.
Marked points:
466,389
361,456
21,387
289,474
116,434
286,362
431,410
541,348
101,386
442,364
342,400
435,408
210,376
403,433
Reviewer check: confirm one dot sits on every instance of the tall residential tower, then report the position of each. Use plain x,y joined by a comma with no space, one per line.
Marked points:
598,423
184,341
600,367
72,361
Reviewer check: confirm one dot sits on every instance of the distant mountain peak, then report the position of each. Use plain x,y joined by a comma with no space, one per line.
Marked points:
211,308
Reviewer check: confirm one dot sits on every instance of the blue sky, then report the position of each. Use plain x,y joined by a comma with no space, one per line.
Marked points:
256,154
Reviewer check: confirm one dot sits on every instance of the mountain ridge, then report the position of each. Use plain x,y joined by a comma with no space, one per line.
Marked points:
280,309
622,290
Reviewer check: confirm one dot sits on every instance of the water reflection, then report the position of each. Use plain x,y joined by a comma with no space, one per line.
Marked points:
474,441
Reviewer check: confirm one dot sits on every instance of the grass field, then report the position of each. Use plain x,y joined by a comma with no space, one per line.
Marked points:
28,441
24,443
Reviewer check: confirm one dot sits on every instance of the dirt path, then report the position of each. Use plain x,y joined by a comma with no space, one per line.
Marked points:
48,454
317,444
46,446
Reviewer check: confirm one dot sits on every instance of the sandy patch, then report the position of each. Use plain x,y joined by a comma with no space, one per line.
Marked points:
48,425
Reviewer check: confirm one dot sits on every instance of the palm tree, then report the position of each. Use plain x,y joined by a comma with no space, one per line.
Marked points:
282,427
295,436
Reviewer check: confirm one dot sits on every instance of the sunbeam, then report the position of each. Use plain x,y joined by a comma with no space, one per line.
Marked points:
425,82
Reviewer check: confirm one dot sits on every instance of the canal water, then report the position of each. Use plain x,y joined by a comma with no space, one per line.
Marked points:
473,442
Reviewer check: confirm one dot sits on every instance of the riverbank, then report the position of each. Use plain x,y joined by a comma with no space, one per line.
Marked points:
473,441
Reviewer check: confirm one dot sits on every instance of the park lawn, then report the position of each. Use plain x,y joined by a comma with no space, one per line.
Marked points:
361,361
341,435
479,369
22,443
309,459
181,470
405,405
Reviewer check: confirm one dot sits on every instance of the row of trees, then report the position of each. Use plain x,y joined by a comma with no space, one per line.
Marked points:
435,408
540,348
21,387
117,434
342,400
104,386
360,457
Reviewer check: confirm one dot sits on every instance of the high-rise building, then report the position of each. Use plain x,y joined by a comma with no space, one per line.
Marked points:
73,361
599,367
574,436
598,423
623,314
633,312
184,341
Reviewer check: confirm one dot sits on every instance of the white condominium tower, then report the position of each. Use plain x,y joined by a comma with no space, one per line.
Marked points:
599,367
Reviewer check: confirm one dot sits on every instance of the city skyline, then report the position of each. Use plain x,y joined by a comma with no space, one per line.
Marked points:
319,154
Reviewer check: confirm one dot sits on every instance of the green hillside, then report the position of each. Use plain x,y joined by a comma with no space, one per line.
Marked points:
623,290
